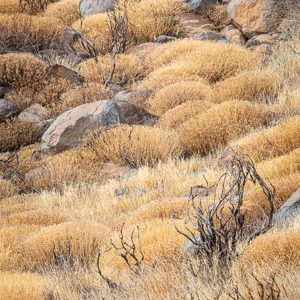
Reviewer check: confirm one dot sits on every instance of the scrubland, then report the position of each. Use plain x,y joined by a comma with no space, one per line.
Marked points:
208,97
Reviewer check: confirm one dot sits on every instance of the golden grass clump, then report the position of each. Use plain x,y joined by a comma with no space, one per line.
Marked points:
9,6
82,238
289,103
150,18
176,94
217,14
22,70
271,142
7,189
212,61
137,146
67,11
22,286
220,124
259,86
182,113
129,68
276,251
89,92
24,32
68,167
18,133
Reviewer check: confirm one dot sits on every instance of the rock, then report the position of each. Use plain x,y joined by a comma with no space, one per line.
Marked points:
70,128
254,16
162,39
34,113
210,36
264,49
260,39
132,103
32,176
235,37
200,5
91,7
289,210
137,98
7,110
194,23
61,72
12,175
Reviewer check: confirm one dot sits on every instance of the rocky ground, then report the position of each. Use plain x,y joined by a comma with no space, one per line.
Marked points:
114,113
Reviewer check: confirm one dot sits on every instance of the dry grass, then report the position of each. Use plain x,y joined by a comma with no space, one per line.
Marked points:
67,11
271,142
217,14
84,240
220,124
213,61
7,189
22,286
22,70
176,116
129,68
9,6
258,86
18,133
176,94
28,33
137,146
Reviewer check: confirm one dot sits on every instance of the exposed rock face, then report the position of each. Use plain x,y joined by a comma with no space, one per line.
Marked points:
34,113
289,210
210,36
253,16
7,110
200,5
235,37
91,7
70,128
61,72
162,39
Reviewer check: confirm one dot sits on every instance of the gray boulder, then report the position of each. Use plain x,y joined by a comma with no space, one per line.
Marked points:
200,5
289,210
91,7
7,110
210,36
70,128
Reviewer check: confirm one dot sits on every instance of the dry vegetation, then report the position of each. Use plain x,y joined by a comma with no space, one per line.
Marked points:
57,212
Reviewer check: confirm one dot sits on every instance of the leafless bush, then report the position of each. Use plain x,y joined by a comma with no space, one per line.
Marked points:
215,220
129,250
33,6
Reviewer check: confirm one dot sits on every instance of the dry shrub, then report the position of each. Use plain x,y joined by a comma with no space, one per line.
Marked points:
7,189
78,241
168,75
274,252
68,167
271,142
9,6
34,217
289,103
22,286
28,33
182,113
89,92
18,133
128,69
256,203
150,18
282,165
137,146
217,14
213,61
67,11
221,124
176,94
22,70
260,86
95,29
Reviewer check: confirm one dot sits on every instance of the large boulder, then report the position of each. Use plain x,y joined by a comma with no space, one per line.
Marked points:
200,5
289,210
254,16
70,128
7,110
91,7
